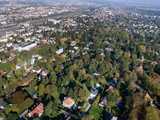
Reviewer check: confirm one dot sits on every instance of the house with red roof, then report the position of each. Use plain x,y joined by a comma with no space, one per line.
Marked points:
37,110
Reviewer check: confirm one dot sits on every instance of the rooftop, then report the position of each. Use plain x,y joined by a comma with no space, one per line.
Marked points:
68,102
37,111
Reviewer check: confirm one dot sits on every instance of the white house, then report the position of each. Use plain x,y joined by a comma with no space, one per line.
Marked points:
54,21
26,48
60,51
114,118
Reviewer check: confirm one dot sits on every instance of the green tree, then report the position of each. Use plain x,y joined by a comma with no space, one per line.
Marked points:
12,116
157,69
52,109
152,113
96,113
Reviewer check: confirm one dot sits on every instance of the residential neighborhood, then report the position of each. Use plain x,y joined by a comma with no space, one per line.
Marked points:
73,62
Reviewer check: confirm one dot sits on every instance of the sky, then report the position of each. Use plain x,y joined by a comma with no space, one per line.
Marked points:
150,3
125,2
139,2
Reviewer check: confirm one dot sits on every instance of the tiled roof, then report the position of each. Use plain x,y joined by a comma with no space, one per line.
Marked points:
68,102
37,111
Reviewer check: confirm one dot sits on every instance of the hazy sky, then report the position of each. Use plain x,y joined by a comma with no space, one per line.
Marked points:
130,2
138,1
103,2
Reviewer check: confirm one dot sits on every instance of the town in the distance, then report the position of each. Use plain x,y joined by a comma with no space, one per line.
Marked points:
79,62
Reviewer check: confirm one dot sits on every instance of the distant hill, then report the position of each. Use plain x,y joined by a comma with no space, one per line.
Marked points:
2,2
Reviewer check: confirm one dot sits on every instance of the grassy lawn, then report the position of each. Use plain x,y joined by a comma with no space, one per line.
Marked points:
5,66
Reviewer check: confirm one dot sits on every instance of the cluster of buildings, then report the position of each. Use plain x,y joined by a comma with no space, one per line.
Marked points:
20,19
